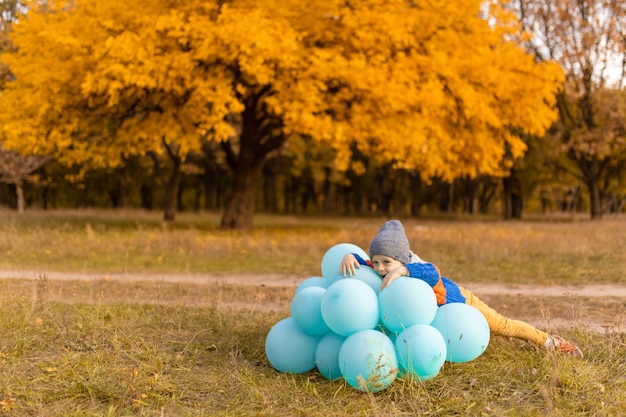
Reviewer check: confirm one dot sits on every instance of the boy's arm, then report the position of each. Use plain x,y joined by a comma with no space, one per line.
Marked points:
362,261
427,272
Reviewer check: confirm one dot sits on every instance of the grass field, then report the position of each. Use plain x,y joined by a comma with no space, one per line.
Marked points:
105,348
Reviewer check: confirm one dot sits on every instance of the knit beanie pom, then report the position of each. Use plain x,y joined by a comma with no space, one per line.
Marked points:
391,241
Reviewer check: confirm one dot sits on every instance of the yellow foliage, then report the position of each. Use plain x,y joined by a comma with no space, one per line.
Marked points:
429,86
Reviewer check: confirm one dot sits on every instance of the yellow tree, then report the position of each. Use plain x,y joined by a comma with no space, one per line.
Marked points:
91,97
8,11
15,168
432,87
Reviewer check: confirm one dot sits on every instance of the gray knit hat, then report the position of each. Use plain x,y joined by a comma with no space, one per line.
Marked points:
391,241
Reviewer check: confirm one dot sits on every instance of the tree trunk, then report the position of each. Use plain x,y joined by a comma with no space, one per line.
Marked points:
591,169
513,201
485,196
450,207
42,196
328,192
416,186
82,194
123,185
209,200
469,195
309,194
169,182
239,208
145,192
385,182
180,191
19,190
215,178
169,201
595,200
258,139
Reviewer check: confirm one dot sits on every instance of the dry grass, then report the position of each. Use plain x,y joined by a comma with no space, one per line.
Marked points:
98,347
162,349
533,252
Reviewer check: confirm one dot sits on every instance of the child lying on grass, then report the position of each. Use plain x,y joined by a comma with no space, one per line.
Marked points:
391,257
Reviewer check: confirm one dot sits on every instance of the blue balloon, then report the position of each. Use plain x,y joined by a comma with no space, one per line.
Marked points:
327,355
368,361
405,302
331,261
306,311
289,349
369,276
313,282
349,305
464,329
421,351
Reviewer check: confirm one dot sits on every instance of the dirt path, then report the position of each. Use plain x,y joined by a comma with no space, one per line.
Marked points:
287,280
597,308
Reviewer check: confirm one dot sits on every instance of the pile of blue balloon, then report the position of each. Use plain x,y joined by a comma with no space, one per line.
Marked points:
347,328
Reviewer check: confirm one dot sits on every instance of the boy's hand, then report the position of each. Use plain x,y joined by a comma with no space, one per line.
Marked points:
349,265
396,273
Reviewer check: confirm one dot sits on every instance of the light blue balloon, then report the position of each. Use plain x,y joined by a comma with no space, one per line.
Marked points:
313,282
327,355
289,349
331,261
365,274
368,361
369,276
349,305
464,329
421,351
405,302
306,311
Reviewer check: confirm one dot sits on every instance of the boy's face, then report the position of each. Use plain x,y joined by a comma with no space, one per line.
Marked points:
384,264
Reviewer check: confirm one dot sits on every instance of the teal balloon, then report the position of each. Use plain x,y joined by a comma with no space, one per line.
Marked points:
464,329
331,261
365,274
421,351
406,302
289,349
368,361
348,306
327,355
313,282
306,311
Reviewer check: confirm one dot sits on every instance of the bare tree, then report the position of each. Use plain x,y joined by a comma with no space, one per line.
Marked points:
588,40
16,169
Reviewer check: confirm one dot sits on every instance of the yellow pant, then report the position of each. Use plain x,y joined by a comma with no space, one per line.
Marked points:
503,326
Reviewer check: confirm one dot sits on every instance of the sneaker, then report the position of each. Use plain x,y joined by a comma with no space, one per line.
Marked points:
558,344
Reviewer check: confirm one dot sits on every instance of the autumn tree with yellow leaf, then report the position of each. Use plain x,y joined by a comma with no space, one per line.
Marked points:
15,168
436,88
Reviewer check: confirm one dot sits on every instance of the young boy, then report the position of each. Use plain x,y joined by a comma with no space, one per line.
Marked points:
391,257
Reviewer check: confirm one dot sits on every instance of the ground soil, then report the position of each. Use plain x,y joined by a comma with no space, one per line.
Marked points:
598,308
287,280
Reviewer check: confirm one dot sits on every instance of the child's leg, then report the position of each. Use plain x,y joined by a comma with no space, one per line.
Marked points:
503,326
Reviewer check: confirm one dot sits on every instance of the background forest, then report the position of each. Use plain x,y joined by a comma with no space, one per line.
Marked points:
385,107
